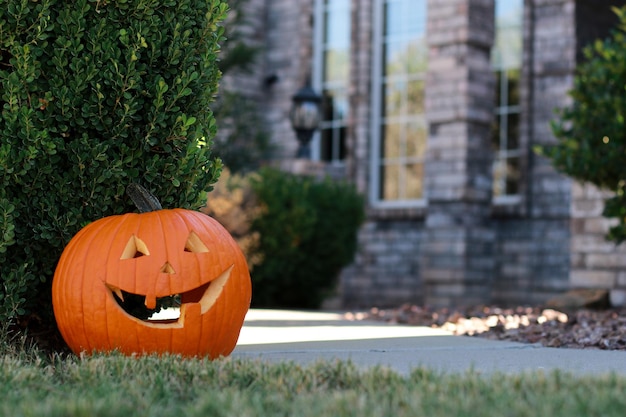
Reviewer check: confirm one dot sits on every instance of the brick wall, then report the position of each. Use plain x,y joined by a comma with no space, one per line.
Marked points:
596,262
386,269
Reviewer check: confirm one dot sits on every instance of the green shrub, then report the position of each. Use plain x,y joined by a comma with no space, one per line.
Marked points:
591,132
95,95
307,232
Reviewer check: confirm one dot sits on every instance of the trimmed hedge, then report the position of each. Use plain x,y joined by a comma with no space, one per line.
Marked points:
95,95
297,232
307,232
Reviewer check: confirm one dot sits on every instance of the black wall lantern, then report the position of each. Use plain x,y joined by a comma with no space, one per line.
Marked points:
305,118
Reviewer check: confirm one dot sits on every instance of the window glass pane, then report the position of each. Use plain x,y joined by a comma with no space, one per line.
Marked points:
328,105
326,144
513,80
417,52
499,177
416,140
512,131
405,56
498,77
393,93
403,18
415,97
333,143
389,181
506,175
339,143
334,105
512,175
393,140
336,65
495,134
340,110
395,58
415,18
508,37
414,175
393,17
337,33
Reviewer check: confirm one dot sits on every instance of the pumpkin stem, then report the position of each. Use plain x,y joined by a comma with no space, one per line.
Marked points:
143,199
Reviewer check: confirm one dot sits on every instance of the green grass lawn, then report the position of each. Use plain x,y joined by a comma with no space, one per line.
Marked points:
113,385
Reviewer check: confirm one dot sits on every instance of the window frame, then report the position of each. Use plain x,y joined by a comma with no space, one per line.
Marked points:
502,110
319,84
377,122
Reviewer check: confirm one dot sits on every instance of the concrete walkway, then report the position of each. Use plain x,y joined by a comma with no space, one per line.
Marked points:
302,337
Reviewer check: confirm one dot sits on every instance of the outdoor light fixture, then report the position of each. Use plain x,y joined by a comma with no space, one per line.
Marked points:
305,117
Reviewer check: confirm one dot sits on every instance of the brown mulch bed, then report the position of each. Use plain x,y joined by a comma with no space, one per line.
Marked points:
582,328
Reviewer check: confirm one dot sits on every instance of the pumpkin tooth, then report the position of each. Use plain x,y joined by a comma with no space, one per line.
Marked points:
150,302
118,293
213,291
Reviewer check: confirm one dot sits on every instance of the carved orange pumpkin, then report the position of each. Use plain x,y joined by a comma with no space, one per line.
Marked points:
152,256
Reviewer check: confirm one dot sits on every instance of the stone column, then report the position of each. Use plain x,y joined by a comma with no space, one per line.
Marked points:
457,262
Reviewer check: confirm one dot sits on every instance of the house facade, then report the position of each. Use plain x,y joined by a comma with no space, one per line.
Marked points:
432,108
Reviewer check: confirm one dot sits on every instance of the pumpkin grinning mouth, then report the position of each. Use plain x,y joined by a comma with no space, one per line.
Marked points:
135,305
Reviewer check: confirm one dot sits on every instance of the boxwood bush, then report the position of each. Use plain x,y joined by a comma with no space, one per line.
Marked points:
297,232
306,232
95,95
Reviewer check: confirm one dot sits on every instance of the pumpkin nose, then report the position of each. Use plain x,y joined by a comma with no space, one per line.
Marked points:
167,269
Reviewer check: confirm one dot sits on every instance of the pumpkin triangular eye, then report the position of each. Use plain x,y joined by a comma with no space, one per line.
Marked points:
135,248
195,244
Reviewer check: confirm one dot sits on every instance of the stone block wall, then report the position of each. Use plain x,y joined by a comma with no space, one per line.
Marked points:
385,272
532,260
596,262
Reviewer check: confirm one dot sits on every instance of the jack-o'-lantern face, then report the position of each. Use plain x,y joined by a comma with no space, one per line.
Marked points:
116,271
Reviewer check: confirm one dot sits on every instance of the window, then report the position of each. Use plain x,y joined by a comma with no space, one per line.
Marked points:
506,59
331,77
398,123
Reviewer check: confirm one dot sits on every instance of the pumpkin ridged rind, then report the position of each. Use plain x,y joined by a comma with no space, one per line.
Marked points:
90,319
